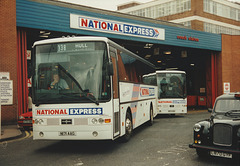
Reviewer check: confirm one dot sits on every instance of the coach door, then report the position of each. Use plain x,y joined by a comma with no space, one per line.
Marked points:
116,114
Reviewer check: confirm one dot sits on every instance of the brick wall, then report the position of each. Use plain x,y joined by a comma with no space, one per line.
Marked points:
176,16
229,63
8,54
197,25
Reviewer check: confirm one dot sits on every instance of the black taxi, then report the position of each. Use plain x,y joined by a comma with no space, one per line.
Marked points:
220,134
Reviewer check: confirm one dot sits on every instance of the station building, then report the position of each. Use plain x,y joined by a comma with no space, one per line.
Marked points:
210,60
215,16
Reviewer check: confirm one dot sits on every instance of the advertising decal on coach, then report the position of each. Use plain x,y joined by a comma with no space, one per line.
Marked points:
147,92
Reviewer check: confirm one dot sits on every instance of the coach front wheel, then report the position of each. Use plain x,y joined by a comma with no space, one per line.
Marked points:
128,128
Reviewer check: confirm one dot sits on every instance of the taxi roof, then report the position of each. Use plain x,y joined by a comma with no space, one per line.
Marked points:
229,95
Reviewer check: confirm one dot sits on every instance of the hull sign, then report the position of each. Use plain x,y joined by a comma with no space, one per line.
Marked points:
71,111
114,27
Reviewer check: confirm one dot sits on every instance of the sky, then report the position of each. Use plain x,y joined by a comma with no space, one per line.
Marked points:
108,4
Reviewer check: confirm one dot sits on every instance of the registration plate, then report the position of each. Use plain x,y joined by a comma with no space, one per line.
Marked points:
221,154
67,133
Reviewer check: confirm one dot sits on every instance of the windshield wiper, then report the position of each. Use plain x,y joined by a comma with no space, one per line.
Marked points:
78,85
92,99
46,99
232,111
84,94
59,98
37,102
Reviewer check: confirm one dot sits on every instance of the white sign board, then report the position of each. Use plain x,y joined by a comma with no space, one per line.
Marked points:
28,54
4,75
29,82
6,91
226,87
115,27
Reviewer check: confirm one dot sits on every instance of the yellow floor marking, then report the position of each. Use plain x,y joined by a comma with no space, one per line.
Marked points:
28,135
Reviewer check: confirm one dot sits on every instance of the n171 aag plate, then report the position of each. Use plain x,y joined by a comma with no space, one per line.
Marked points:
221,154
67,133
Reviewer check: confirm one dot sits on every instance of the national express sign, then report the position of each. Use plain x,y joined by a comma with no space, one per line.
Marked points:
114,27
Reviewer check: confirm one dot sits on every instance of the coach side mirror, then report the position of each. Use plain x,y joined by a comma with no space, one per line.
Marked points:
210,110
110,68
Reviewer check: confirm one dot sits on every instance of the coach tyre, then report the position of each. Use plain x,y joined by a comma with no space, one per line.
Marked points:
150,122
128,128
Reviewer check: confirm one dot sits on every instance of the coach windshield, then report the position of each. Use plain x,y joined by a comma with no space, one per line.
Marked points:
171,85
71,72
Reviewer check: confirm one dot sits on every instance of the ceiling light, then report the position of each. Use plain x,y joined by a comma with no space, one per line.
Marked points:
167,52
159,61
47,33
148,45
192,64
43,36
147,56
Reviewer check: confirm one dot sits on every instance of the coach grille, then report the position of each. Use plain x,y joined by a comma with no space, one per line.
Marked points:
52,122
81,121
222,135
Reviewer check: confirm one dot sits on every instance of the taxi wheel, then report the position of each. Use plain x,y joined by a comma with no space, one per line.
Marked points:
201,152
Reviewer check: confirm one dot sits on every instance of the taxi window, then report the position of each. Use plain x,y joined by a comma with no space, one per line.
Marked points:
226,105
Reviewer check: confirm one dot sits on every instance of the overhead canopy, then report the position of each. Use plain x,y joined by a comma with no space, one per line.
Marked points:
76,19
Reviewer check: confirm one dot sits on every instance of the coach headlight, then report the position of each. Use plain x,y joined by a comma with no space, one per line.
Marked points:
100,120
94,121
238,133
39,121
35,121
197,127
